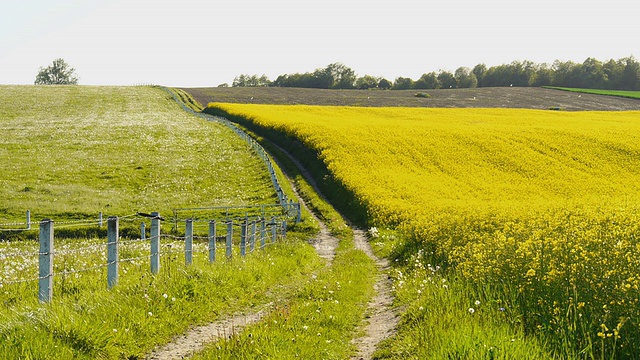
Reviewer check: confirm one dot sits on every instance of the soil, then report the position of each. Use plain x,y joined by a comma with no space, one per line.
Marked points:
196,339
493,97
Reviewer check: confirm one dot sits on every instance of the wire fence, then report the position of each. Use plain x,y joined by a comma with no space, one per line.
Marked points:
245,228
221,239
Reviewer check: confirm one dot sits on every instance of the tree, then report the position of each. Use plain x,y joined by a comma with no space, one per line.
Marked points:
366,82
343,76
243,80
447,80
465,78
402,83
59,73
427,81
384,84
479,71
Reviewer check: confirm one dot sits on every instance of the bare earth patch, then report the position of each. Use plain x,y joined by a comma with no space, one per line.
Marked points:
490,97
195,340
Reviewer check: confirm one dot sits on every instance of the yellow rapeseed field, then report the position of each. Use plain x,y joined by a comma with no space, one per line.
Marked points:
544,201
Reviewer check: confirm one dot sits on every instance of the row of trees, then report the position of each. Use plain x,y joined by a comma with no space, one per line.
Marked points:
623,74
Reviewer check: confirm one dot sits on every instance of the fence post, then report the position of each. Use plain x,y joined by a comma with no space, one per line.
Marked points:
284,229
299,217
263,229
155,243
252,242
274,229
28,220
229,238
243,238
212,241
188,242
113,238
45,288
143,234
100,219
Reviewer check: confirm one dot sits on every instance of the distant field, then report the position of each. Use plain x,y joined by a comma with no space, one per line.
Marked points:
620,93
499,97
73,151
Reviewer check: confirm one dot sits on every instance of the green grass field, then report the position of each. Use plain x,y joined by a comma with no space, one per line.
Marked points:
619,93
72,152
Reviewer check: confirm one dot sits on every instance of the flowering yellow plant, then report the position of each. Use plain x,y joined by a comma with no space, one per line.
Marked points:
544,201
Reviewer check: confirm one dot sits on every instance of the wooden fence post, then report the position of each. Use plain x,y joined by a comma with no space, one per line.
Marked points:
212,241
188,242
263,229
143,234
113,238
229,238
155,243
45,288
243,238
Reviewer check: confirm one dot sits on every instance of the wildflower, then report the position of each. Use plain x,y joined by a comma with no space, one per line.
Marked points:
477,302
374,232
471,310
165,296
531,273
150,313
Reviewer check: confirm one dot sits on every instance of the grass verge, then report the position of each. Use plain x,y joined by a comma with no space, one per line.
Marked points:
323,317
620,93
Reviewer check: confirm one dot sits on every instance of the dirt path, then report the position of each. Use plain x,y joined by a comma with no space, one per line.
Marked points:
196,339
382,320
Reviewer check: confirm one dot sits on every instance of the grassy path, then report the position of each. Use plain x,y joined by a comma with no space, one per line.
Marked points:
382,320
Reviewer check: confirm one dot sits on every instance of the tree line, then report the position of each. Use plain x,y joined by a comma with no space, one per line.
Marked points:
621,74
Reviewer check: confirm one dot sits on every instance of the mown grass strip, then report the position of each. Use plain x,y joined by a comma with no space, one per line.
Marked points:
619,93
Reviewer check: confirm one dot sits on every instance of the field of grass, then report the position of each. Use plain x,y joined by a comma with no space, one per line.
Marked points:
620,93
531,215
71,152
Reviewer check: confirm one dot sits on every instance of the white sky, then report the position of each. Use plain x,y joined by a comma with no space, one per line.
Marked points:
208,42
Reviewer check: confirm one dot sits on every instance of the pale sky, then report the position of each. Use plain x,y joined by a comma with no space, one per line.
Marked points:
206,42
